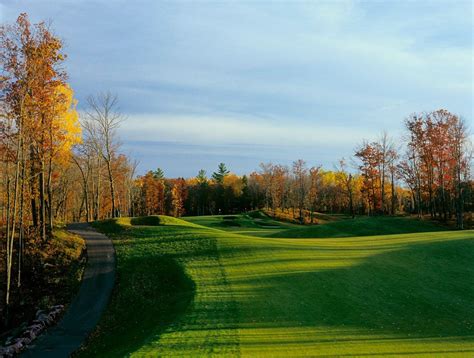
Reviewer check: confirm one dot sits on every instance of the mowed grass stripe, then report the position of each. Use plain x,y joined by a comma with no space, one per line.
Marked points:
228,294
400,301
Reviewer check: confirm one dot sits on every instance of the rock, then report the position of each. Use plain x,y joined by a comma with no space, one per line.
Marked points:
14,346
36,327
18,346
27,340
42,317
6,352
41,323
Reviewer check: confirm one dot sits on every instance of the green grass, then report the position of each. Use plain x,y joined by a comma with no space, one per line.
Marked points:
189,290
362,226
254,223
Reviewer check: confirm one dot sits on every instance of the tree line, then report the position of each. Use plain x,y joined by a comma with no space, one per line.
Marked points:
426,173
56,166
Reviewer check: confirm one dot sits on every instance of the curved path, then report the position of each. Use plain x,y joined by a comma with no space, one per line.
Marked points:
86,308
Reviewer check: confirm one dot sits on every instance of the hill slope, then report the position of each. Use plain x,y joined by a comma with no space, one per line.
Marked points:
361,226
189,290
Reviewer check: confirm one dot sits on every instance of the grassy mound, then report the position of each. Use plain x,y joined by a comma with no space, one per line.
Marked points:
253,223
362,226
146,220
119,225
189,290
153,220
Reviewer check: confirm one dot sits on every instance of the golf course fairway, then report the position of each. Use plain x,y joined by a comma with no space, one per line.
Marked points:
203,287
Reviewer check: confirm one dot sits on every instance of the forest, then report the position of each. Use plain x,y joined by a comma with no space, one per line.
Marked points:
60,164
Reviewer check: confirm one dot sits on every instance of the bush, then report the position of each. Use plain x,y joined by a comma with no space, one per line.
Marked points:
146,221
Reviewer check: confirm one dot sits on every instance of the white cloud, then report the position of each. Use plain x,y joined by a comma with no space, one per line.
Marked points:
220,130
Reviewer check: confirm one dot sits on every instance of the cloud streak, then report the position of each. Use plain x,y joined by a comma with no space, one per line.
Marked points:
240,130
321,74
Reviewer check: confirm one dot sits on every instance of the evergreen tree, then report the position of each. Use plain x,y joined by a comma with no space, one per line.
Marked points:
159,173
201,177
221,173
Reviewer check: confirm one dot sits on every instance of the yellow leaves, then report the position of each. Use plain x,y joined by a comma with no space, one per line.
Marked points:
65,130
192,181
328,177
234,182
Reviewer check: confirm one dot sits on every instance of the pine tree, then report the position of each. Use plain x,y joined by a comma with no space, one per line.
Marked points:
221,173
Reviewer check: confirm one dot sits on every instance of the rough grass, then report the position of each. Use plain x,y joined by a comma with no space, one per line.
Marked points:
189,290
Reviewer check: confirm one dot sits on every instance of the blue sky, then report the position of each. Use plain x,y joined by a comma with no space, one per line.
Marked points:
246,82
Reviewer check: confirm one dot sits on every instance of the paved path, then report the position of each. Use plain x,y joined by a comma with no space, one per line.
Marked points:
87,307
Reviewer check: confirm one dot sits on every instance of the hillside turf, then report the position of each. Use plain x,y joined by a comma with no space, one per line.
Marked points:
204,287
362,226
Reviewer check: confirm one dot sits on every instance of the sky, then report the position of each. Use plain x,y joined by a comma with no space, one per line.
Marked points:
245,82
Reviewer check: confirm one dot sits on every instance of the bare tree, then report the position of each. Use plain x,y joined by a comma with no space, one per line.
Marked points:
314,186
346,180
460,146
83,158
101,123
386,149
130,186
300,174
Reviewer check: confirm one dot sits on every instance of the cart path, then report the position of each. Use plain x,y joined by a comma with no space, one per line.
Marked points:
86,308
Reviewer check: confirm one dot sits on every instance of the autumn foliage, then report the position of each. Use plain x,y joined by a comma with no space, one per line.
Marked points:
52,170
57,167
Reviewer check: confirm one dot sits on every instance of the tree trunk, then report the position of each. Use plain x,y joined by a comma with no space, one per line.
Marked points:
382,184
42,203
392,184
112,189
97,202
459,200
34,206
50,195
351,204
11,231
22,225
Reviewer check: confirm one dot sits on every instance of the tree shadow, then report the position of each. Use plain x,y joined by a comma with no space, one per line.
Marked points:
368,226
422,293
164,293
146,221
424,290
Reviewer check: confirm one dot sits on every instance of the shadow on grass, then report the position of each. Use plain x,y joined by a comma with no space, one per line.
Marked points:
425,290
417,291
109,226
151,293
146,221
362,226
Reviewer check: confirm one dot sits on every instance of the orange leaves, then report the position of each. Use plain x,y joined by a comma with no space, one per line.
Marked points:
152,194
179,193
233,182
431,141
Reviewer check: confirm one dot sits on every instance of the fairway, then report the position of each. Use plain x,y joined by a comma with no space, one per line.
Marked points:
203,287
